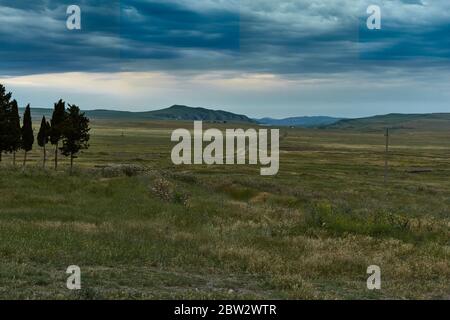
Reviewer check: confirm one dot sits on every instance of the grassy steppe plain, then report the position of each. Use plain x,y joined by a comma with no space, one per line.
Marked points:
225,231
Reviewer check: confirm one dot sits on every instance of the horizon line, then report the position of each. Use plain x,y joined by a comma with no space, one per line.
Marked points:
250,117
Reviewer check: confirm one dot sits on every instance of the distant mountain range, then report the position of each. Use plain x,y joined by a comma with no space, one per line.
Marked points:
180,112
305,122
433,121
176,112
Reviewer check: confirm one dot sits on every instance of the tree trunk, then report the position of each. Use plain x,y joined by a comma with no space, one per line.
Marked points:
14,158
25,159
71,164
45,157
0,156
56,157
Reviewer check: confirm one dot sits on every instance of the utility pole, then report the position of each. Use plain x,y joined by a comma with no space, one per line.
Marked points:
386,157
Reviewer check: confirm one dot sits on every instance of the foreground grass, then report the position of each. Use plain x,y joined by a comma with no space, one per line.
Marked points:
311,232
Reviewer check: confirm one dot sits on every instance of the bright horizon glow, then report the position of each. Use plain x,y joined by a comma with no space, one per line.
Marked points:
254,95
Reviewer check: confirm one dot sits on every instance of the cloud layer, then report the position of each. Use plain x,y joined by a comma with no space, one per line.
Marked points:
281,46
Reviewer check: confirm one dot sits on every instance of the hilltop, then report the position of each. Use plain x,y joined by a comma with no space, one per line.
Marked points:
179,112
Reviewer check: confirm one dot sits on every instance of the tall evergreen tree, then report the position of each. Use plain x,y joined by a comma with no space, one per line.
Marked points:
15,135
27,133
5,109
44,137
56,123
75,133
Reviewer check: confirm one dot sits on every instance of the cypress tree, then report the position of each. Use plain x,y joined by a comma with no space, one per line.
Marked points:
75,132
56,123
27,133
5,106
44,137
15,136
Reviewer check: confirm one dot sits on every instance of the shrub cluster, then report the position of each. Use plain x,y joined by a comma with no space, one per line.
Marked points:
164,190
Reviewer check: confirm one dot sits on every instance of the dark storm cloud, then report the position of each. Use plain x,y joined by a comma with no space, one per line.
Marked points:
35,39
283,37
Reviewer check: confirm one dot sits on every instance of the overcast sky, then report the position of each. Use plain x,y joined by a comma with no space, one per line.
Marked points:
273,58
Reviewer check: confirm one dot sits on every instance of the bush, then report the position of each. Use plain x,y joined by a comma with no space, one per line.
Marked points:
129,170
237,192
164,190
184,177
181,198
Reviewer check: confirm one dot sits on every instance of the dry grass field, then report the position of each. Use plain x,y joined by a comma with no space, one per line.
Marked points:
142,228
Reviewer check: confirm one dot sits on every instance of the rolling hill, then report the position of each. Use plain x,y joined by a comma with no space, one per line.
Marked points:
176,112
431,121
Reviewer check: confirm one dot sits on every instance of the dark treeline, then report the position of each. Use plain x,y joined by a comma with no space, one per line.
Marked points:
67,130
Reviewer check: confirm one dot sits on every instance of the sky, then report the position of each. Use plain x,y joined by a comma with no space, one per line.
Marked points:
256,57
